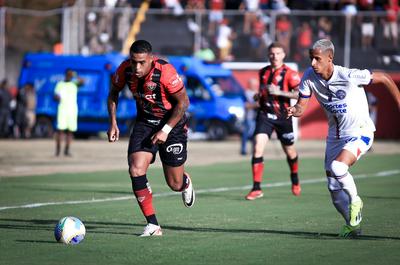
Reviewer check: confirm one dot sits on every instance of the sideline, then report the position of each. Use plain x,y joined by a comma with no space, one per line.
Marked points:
222,189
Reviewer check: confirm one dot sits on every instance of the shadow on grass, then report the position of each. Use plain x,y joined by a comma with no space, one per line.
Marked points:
118,228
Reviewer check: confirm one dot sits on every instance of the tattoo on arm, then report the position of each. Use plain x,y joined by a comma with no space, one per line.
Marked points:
179,110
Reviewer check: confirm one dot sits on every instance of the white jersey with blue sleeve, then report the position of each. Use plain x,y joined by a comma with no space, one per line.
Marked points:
343,99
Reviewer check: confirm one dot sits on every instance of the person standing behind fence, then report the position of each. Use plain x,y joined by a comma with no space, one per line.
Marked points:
66,94
249,122
5,109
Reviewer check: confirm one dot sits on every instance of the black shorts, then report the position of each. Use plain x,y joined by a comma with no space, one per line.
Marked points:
283,127
172,153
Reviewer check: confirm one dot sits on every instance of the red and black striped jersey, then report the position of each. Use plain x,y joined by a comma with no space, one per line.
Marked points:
286,79
152,92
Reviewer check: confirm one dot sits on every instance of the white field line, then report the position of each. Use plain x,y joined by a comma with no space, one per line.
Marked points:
214,190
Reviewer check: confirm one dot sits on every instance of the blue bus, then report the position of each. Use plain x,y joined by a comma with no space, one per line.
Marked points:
217,102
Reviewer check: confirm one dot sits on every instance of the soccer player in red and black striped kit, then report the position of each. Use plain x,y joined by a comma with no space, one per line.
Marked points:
161,125
278,84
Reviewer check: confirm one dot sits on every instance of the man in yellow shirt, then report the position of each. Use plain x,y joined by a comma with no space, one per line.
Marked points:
66,93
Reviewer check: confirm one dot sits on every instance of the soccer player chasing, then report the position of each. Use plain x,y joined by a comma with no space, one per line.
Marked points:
278,84
161,102
340,92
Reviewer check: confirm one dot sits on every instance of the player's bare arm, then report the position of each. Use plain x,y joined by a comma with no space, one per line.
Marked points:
178,111
386,80
112,103
275,91
298,109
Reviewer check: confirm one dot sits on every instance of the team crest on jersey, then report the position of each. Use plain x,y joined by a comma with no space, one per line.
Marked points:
151,85
278,78
340,94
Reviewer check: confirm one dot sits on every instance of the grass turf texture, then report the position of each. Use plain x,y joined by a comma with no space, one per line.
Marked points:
222,227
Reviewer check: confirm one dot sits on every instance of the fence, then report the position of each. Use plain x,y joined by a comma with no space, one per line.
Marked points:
90,30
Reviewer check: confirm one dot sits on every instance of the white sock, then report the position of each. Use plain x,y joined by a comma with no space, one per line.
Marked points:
340,170
349,186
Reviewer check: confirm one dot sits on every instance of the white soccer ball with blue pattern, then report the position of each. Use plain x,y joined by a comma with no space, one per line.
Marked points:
70,230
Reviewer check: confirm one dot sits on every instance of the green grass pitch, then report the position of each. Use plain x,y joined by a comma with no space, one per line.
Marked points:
222,227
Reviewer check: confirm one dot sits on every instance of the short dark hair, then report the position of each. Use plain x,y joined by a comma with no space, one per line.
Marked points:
276,45
140,46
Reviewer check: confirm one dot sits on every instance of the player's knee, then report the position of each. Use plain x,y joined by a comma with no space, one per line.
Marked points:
174,184
136,171
339,168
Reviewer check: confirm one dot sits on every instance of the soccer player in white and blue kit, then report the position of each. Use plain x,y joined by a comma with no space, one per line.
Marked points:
340,92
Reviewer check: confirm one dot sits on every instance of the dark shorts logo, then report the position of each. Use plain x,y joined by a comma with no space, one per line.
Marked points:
176,149
340,94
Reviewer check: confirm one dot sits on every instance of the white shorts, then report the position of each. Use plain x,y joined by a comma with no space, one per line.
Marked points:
367,29
357,145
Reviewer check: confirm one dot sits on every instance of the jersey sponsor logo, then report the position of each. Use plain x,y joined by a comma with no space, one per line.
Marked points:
336,108
358,75
176,149
340,94
176,81
152,96
155,122
151,85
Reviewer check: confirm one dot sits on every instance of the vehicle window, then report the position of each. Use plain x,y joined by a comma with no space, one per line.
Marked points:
225,86
195,89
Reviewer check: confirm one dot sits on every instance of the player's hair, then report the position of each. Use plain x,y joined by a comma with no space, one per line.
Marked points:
276,45
140,46
324,45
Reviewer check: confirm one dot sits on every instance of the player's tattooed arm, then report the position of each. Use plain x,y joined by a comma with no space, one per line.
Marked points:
181,104
179,110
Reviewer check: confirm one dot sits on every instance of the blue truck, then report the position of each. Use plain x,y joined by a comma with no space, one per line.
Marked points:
217,102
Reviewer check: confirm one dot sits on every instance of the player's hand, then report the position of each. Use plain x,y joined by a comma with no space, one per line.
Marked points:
113,134
274,90
256,96
290,111
159,138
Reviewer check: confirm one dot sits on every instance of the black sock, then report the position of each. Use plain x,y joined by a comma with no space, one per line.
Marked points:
151,219
256,186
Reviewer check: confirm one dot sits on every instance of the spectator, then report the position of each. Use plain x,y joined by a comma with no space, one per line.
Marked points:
284,32
257,41
251,7
175,6
216,15
30,95
304,41
205,53
367,25
224,40
324,28
390,30
249,122
5,109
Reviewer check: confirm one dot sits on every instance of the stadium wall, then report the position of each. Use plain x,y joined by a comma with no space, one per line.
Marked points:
313,125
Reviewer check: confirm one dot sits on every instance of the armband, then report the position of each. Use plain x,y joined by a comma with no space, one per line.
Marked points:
167,129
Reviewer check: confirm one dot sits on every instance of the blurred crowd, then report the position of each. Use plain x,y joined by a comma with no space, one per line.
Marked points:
17,110
221,30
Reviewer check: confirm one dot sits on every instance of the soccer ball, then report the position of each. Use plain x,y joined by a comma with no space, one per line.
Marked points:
69,230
